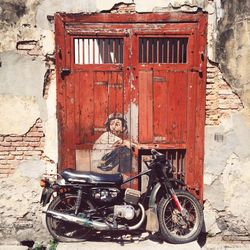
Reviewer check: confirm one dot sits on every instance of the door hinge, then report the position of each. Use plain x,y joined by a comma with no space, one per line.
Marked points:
198,69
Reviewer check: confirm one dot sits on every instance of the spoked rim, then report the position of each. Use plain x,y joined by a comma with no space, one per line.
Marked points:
178,225
68,229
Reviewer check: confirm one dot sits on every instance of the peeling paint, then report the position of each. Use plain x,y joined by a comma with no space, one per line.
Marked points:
30,92
21,110
132,119
27,79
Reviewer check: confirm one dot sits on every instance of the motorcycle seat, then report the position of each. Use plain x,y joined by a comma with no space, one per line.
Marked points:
74,176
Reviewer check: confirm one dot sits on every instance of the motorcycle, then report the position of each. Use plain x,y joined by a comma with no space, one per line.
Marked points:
87,202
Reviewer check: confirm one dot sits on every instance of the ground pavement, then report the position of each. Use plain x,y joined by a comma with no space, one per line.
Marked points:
143,242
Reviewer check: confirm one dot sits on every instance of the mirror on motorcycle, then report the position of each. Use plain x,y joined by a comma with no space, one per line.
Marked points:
155,152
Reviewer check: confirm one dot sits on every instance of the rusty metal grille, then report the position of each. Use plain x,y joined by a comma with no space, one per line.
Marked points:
177,158
98,50
163,50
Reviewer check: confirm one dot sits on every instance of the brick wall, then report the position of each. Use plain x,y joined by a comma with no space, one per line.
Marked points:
16,148
220,98
123,8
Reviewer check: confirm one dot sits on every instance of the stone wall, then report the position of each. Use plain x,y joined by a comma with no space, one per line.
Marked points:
227,164
28,130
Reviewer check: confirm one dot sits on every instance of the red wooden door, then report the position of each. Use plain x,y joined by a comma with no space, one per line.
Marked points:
144,71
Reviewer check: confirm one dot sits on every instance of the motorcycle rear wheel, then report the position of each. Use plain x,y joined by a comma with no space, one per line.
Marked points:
176,228
66,231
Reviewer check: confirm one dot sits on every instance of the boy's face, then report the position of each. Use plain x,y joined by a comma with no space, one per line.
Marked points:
115,126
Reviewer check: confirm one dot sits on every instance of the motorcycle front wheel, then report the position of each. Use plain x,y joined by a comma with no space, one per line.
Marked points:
67,231
176,227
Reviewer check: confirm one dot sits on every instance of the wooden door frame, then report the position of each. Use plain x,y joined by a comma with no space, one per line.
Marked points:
195,152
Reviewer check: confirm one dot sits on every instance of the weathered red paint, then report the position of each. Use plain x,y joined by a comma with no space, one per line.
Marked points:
170,97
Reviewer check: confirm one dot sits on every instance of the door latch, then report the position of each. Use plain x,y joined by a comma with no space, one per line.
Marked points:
64,72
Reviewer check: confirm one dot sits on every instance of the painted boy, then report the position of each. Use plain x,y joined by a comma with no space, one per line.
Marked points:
111,152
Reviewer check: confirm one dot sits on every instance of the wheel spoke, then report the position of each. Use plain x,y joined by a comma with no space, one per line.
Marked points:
168,218
65,229
177,223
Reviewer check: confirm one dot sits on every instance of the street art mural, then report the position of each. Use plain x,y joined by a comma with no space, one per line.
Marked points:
128,86
112,151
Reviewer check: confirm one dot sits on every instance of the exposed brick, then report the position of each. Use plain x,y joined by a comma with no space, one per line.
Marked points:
16,148
13,138
31,153
32,139
24,148
34,144
3,162
4,153
12,163
16,153
38,149
10,157
35,134
26,45
5,171
234,106
220,99
7,148
5,144
34,129
19,157
20,144
39,125
7,166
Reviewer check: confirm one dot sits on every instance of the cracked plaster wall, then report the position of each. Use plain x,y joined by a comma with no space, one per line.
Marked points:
227,162
26,56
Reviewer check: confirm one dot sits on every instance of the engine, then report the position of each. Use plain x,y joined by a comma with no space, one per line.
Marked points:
105,194
132,197
124,211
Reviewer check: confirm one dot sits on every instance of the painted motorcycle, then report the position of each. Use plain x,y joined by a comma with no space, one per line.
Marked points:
83,203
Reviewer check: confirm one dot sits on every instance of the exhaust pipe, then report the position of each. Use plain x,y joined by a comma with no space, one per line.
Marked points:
94,224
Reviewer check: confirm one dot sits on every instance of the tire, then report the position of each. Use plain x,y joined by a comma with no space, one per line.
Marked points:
174,227
66,231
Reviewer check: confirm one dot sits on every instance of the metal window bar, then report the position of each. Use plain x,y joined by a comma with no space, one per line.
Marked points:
163,50
98,51
177,158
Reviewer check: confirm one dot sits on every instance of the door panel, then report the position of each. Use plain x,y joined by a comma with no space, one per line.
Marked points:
160,106
145,106
101,101
84,106
98,94
176,107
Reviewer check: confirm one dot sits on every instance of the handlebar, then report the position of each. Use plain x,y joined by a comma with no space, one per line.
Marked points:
158,157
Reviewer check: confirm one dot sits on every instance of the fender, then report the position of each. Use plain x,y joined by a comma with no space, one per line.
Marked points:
157,187
152,198
46,195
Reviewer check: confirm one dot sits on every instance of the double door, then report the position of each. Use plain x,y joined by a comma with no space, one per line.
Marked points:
146,76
